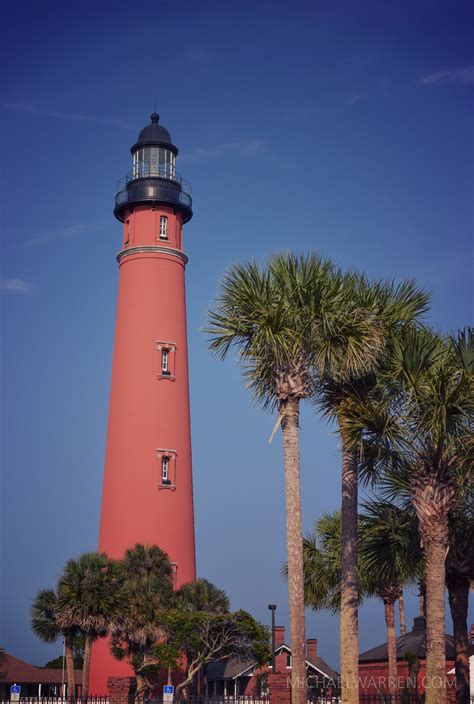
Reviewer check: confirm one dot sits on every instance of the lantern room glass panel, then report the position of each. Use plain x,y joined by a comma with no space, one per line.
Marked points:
154,161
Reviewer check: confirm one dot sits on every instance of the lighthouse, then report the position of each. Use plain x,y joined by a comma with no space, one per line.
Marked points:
147,492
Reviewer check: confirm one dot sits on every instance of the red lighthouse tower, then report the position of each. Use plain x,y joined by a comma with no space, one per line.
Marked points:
147,492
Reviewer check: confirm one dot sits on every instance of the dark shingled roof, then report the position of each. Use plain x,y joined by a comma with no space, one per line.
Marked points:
229,669
413,642
16,671
323,667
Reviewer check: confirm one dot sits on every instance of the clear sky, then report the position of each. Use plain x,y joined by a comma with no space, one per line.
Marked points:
344,127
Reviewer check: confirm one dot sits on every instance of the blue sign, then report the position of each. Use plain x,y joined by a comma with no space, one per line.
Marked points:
15,689
168,689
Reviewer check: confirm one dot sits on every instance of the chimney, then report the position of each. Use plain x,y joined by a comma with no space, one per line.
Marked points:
419,623
279,635
312,649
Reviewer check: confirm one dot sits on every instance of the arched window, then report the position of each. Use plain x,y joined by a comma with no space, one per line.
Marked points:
163,227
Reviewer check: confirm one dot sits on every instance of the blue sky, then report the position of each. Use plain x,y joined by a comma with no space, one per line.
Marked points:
342,127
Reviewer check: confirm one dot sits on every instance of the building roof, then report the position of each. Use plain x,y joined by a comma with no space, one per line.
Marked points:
16,671
230,669
154,134
322,667
413,642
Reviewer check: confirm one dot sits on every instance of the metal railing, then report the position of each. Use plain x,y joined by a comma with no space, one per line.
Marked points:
164,171
57,700
321,698
150,699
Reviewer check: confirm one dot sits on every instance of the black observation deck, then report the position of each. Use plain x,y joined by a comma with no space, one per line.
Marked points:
153,184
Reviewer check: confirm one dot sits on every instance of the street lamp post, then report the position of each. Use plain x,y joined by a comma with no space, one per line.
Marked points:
272,608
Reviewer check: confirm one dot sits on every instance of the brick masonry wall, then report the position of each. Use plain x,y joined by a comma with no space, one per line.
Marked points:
280,689
121,690
373,677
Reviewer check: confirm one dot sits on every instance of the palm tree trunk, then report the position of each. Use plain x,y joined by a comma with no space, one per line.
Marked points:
391,645
422,596
435,542
401,611
458,590
294,538
86,667
349,581
71,683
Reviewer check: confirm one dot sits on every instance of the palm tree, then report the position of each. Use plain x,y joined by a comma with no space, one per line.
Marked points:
391,555
291,323
460,557
428,429
270,316
92,598
401,614
378,309
149,581
202,595
459,577
44,623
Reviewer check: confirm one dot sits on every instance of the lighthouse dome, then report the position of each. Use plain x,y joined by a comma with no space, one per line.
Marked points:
154,134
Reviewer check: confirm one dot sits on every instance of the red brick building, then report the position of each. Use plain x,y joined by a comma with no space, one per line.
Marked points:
243,678
411,662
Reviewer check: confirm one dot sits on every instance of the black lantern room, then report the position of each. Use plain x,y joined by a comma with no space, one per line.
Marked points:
153,178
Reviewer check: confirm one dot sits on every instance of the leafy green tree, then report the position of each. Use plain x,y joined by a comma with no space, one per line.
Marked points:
92,596
78,647
202,595
149,581
44,623
204,637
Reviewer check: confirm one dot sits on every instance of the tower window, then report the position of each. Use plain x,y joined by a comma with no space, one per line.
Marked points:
165,470
165,361
163,227
127,235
